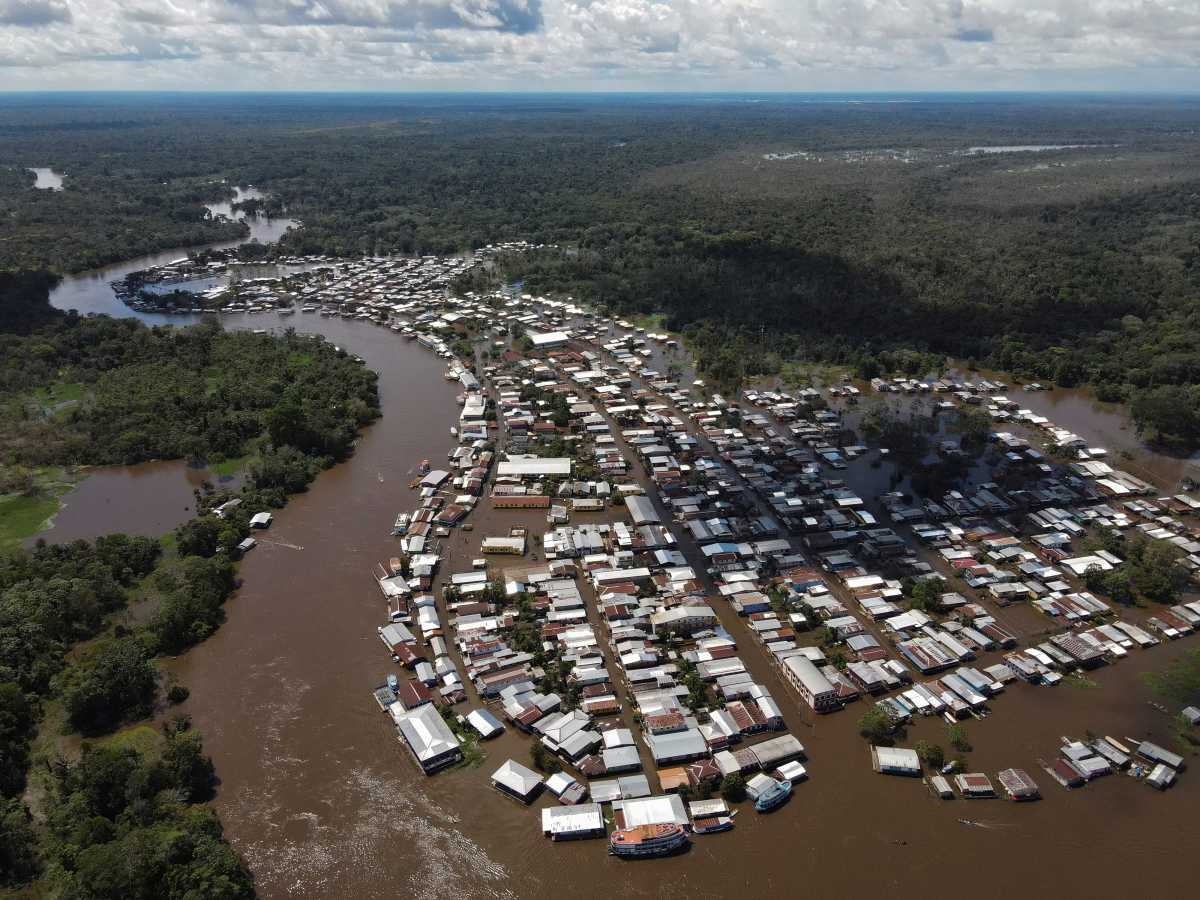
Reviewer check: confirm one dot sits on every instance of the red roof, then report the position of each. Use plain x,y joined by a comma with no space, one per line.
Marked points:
413,694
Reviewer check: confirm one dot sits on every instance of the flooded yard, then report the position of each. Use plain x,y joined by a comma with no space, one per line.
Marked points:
148,499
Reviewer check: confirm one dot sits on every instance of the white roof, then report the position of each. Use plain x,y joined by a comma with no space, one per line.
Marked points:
534,465
542,338
653,811
793,771
483,721
572,819
518,779
700,808
898,758
808,674
426,732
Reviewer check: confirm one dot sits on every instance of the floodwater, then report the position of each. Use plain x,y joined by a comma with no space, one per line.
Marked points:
262,229
90,292
323,801
1028,148
146,499
1107,425
1102,425
47,179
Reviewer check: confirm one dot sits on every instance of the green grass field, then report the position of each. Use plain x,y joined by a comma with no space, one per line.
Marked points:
24,515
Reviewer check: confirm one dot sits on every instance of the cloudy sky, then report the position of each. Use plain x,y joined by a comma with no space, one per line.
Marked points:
543,45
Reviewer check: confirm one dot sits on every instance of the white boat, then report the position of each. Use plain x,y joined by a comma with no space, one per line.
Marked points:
647,840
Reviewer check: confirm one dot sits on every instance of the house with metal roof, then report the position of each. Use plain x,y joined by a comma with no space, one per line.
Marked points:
817,691
517,781
677,746
641,510
518,466
896,761
485,723
566,823
661,810
433,744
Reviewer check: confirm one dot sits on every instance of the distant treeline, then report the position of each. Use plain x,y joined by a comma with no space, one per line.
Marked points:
105,214
1077,266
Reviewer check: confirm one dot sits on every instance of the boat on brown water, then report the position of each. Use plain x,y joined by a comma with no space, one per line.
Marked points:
712,824
647,840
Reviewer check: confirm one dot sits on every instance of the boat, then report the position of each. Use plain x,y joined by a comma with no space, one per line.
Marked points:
453,431
711,824
646,841
393,683
395,565
424,467
400,526
773,797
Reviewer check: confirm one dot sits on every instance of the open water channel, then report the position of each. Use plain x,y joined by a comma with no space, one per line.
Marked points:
323,801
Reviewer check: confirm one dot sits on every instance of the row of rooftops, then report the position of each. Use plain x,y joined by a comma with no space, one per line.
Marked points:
717,490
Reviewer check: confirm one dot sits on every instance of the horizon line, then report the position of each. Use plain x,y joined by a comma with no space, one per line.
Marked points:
1183,92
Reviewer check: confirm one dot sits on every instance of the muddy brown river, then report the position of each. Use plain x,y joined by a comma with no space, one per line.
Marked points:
323,801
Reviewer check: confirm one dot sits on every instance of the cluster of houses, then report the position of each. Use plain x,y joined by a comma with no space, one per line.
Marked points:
1080,762
604,647
685,544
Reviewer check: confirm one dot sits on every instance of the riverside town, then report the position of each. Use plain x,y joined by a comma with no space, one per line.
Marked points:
641,495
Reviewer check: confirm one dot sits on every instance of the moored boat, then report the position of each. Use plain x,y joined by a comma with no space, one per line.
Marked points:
647,840
773,797
401,524
712,824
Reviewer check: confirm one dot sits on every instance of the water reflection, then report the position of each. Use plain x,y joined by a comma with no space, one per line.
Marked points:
47,179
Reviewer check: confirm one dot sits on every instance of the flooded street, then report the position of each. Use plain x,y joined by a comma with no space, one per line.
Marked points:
323,801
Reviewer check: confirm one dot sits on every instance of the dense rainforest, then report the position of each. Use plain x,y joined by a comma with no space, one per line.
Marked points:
77,390
800,227
137,393
106,213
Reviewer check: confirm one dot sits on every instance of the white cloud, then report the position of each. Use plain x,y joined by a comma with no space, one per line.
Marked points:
618,44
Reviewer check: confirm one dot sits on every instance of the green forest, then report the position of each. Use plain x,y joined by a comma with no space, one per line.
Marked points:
139,393
808,231
83,391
